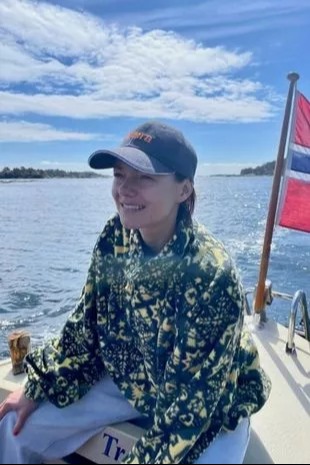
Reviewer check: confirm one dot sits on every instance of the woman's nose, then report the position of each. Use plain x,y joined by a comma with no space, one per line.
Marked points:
128,186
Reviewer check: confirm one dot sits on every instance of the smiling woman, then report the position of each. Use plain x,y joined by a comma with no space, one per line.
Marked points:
149,203
158,331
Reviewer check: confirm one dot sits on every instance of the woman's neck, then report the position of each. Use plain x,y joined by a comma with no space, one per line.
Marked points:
157,238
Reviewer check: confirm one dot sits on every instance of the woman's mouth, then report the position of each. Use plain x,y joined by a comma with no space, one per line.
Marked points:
132,207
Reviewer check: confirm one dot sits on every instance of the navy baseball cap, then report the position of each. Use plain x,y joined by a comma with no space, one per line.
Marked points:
152,148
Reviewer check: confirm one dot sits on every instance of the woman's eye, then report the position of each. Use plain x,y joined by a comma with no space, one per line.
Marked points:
118,175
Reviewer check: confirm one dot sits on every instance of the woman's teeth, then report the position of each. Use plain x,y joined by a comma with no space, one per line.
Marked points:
132,207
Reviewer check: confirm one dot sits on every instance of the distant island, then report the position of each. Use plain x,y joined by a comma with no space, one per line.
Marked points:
267,169
31,173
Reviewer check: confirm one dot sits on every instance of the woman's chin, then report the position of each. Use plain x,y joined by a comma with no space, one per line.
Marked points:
129,223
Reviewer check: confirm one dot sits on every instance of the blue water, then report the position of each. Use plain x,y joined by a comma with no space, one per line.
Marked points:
48,229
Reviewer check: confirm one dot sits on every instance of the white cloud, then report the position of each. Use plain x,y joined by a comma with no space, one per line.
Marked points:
73,64
23,131
169,105
211,18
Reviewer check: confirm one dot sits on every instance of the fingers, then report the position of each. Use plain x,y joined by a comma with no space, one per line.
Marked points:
18,403
21,418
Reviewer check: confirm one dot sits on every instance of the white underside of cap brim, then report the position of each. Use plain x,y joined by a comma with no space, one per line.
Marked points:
135,158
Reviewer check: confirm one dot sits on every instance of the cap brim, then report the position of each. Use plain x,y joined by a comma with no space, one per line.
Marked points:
135,158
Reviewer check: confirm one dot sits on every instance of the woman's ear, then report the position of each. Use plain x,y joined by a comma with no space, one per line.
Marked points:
186,190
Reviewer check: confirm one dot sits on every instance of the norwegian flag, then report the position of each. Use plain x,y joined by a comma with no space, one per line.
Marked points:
294,205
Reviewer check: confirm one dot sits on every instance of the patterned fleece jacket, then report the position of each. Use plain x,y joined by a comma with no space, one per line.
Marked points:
169,331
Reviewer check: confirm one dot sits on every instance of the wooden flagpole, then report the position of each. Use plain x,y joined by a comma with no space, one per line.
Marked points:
259,304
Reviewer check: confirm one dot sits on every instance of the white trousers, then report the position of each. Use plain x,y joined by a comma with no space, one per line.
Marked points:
51,433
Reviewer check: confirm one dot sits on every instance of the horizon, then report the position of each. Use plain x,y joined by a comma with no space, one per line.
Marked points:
109,173
216,72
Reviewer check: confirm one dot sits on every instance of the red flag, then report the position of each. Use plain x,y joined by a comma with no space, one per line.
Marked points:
294,206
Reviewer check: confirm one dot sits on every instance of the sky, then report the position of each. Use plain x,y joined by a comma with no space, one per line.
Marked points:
78,75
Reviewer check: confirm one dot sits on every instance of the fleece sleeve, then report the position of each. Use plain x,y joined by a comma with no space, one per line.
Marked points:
65,368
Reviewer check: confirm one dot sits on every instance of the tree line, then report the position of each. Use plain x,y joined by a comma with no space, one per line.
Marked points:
32,173
267,169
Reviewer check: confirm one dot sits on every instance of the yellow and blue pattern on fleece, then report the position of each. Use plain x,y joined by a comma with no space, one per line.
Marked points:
169,331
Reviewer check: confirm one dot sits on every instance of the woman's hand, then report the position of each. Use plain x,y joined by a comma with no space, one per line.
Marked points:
17,402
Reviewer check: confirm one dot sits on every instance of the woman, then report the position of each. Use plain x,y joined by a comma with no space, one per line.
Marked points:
158,331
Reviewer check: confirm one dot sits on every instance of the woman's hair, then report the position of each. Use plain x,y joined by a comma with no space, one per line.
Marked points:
191,201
